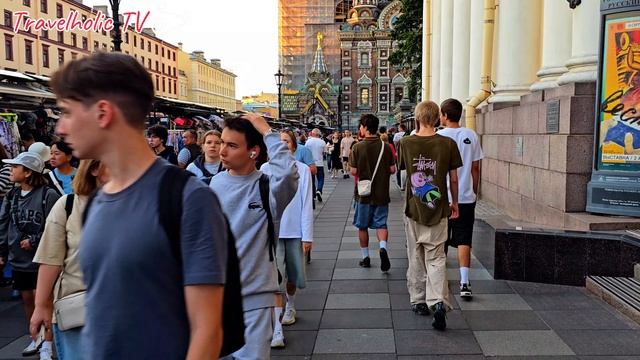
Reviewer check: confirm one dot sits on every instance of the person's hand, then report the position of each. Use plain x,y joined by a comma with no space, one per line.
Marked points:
258,122
306,246
26,245
41,317
454,211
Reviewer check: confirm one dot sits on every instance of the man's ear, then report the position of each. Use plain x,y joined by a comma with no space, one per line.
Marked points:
105,112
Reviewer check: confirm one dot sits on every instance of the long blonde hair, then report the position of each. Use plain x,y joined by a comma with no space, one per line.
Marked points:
85,183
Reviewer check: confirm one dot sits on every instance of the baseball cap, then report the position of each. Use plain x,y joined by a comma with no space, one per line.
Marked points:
30,160
41,149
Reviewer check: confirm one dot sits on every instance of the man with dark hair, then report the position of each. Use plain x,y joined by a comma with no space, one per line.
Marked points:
372,160
428,158
145,299
254,204
158,136
461,229
191,149
27,140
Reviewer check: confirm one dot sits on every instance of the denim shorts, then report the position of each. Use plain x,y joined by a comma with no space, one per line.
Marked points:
370,216
289,259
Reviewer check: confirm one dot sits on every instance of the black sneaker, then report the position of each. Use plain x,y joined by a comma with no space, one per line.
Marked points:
345,176
420,309
439,316
385,265
319,196
365,263
465,292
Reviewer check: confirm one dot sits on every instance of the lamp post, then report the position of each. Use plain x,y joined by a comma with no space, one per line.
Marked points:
279,77
117,34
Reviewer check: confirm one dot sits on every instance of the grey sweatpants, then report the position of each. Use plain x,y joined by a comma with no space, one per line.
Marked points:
257,335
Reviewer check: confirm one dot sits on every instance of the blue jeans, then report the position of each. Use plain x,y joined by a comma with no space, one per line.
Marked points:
370,216
68,344
320,177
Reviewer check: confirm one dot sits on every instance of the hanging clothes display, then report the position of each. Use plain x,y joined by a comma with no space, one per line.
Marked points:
10,134
175,139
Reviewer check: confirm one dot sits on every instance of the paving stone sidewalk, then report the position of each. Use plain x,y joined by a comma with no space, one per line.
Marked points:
347,312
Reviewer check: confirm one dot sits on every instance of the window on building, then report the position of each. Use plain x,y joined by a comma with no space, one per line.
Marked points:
162,52
149,46
26,3
74,40
142,60
149,62
43,6
156,49
345,73
163,68
364,59
44,34
61,36
346,108
126,37
163,85
364,97
157,83
28,52
174,56
84,18
45,56
59,11
8,47
104,33
157,66
135,40
175,91
60,56
96,46
8,18
142,44
104,46
346,88
85,43
398,94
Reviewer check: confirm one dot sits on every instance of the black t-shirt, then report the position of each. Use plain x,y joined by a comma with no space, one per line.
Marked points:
169,155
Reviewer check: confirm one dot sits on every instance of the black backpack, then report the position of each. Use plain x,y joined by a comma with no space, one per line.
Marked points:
170,192
199,163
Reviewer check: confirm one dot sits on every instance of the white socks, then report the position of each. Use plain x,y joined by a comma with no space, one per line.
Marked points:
47,345
464,275
365,252
383,244
291,301
277,326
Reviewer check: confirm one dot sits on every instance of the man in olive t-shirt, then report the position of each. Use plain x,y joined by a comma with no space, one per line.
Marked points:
428,158
372,211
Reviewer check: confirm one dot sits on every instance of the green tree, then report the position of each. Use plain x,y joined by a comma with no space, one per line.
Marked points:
408,56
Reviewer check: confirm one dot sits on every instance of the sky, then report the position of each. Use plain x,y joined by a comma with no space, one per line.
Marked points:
243,34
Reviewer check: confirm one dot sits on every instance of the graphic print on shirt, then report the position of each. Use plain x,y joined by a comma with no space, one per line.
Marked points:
422,186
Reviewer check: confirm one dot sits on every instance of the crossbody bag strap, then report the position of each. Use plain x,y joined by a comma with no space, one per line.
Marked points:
378,163
56,182
68,209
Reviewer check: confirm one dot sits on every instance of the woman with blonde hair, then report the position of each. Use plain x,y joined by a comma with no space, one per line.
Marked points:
208,164
60,277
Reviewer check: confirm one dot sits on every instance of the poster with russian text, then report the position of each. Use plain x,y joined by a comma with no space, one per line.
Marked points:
619,118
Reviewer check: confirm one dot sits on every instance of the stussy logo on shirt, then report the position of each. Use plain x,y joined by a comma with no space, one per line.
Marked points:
422,185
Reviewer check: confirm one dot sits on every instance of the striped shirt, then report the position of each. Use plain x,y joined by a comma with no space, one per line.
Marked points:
5,183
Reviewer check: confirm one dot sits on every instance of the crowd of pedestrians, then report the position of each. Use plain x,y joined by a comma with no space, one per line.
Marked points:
129,256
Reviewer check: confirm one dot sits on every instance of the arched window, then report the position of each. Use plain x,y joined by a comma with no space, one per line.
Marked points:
364,59
342,9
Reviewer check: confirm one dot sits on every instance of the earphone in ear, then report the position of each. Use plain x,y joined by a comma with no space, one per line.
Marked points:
252,154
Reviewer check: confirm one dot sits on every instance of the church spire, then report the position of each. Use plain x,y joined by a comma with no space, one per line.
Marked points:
319,65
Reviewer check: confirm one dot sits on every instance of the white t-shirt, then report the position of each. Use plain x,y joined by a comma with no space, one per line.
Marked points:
317,150
398,136
470,151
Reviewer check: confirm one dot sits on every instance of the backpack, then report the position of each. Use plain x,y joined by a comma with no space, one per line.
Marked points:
68,205
199,163
172,185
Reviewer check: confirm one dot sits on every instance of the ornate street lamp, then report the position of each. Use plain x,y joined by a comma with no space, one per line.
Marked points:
279,77
117,35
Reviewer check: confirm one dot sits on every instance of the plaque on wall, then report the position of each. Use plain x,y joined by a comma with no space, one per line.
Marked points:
553,116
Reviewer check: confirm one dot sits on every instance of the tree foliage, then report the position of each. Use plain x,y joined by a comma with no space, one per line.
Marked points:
408,55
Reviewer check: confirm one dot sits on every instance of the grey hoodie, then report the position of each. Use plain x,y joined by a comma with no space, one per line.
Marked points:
241,203
30,213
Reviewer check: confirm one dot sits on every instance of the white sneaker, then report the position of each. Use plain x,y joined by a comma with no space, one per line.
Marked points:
45,354
278,339
289,317
34,346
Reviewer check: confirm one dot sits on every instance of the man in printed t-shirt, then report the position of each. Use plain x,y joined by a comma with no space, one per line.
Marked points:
428,158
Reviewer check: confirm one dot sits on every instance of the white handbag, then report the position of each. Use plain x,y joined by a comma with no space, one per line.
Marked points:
364,186
70,311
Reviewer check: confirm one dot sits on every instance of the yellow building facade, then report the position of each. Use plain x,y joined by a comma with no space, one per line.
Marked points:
206,82
44,52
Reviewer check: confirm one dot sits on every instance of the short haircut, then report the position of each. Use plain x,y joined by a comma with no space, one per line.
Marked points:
316,132
427,113
383,129
63,146
115,77
452,109
160,132
370,122
210,133
251,135
37,180
292,137
85,183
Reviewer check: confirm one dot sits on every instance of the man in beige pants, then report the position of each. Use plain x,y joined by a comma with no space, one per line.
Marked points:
428,158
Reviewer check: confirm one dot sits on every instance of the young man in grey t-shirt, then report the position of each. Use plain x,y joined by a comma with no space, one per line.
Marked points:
142,301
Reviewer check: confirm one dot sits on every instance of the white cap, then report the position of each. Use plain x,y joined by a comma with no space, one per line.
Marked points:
28,159
41,149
